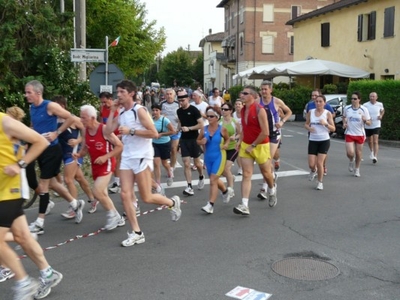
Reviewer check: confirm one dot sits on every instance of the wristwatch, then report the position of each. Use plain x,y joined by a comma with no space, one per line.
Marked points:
132,131
22,164
253,145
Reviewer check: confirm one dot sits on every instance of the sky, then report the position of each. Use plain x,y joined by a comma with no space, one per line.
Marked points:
186,22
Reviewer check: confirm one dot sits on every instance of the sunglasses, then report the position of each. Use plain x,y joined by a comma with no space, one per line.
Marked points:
225,109
245,93
354,98
211,116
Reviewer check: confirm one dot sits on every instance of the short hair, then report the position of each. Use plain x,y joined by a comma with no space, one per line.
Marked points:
227,104
106,95
253,90
90,110
16,113
36,85
128,85
322,96
156,106
267,82
170,90
215,89
60,100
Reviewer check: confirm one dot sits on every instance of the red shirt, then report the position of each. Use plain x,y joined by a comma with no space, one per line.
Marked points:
251,129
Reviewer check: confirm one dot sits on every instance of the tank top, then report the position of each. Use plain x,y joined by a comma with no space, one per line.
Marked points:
10,152
231,128
320,133
251,129
97,145
65,136
213,145
42,122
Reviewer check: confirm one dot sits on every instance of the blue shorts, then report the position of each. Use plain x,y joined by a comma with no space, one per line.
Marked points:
67,159
215,164
176,136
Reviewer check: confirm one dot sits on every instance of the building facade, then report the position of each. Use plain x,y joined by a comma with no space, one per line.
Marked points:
360,33
256,32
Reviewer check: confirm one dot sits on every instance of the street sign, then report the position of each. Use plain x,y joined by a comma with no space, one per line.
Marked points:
97,78
88,55
106,88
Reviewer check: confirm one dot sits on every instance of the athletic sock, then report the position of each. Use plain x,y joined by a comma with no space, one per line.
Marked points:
245,202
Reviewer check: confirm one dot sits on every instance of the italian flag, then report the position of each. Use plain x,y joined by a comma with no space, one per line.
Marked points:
115,42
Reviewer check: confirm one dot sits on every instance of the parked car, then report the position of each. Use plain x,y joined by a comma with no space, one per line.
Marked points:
337,101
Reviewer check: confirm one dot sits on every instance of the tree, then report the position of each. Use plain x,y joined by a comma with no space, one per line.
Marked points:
176,68
140,41
198,72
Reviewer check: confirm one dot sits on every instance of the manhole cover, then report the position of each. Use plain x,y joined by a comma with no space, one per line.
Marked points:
305,269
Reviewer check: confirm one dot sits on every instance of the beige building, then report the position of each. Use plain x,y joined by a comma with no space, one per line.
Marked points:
256,32
359,33
214,75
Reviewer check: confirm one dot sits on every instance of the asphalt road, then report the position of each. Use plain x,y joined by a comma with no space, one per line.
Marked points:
352,224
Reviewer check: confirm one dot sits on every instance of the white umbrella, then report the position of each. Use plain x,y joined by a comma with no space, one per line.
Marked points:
310,67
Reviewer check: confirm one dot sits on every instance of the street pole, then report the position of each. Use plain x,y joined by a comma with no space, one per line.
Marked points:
106,66
80,33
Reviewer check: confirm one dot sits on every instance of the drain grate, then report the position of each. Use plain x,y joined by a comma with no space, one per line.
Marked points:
305,269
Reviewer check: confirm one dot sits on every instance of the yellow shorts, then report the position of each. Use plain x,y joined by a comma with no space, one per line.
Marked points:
260,153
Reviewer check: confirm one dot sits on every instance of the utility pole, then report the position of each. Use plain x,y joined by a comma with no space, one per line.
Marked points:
80,32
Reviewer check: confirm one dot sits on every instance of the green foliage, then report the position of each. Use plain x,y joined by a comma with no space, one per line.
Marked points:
198,70
329,89
342,87
176,68
140,41
296,98
388,92
235,92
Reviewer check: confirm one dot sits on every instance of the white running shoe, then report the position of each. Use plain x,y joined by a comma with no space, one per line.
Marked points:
114,188
371,156
78,211
69,214
240,171
208,208
351,166
93,206
176,211
312,175
241,210
200,184
5,273
231,192
46,284
28,291
320,186
272,198
374,160
35,228
188,191
50,206
357,172
133,239
170,181
114,220
262,195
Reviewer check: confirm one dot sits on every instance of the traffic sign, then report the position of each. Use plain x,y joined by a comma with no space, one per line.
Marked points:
98,78
88,55
106,88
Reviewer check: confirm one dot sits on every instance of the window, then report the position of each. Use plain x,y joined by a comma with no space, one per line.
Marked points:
268,44
241,15
241,43
291,44
366,27
388,30
233,19
296,11
325,34
268,13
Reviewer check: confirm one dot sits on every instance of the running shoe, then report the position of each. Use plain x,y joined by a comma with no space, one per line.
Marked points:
50,206
176,211
208,208
114,188
325,171
312,175
357,172
200,184
241,210
374,160
93,206
170,181
226,197
351,166
69,214
78,211
35,228
188,191
26,292
240,171
320,186
276,165
5,273
133,239
47,283
262,195
272,198
231,192
371,156
114,220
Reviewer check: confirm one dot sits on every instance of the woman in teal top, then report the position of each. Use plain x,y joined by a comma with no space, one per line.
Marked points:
162,145
233,128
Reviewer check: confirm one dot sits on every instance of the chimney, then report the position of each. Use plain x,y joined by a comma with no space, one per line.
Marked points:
209,31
